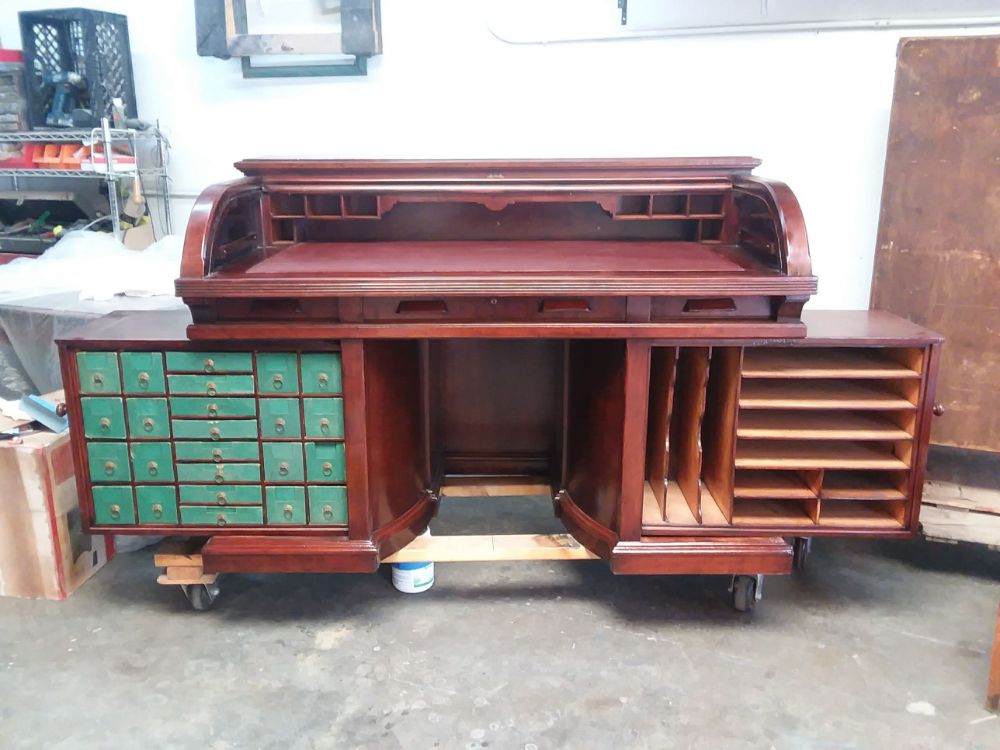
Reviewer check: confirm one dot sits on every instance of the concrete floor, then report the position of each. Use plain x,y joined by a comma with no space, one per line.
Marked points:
875,645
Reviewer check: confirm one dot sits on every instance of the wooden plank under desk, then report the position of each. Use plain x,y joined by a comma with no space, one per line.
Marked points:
818,394
832,425
821,363
813,454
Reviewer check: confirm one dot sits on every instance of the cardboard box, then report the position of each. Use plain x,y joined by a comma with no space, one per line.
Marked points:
43,550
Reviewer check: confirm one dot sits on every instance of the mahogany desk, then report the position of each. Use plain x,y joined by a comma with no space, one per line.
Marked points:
626,335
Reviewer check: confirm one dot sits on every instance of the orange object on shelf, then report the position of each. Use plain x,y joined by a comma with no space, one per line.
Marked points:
48,158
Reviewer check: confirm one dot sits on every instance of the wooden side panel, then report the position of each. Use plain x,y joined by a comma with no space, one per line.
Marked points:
685,427
719,430
595,428
937,260
662,369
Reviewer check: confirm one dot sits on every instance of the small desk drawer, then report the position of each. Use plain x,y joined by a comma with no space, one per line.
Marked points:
98,372
152,462
279,418
210,385
277,373
286,506
327,505
103,417
218,473
324,417
156,504
325,463
147,418
321,373
283,462
217,452
209,362
113,506
142,372
194,515
108,462
495,309
182,406
221,494
227,429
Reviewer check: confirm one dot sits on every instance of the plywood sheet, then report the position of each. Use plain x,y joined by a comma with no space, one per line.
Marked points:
938,256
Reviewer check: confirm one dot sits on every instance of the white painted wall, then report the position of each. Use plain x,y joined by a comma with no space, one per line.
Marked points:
813,106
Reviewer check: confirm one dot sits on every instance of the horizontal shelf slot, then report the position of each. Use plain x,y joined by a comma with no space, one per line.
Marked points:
856,514
862,485
821,363
818,394
770,513
822,425
771,485
817,454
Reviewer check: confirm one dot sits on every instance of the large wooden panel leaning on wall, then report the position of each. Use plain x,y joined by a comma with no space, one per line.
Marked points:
628,334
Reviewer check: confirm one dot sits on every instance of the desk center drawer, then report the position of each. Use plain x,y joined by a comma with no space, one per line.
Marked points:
213,408
210,385
218,473
221,494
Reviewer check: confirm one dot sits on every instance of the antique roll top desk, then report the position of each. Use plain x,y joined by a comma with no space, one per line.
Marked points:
627,334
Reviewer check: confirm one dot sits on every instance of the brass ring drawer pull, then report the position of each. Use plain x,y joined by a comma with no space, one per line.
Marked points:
110,467
324,425
220,475
209,364
283,468
144,380
116,511
213,410
221,520
288,512
327,512
279,424
220,498
211,389
215,433
217,454
97,379
278,380
153,468
327,468
148,424
157,510
324,380
105,424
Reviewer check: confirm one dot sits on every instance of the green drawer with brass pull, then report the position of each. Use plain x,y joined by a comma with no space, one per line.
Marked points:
209,362
142,372
210,385
277,373
324,417
218,473
98,372
186,406
113,505
103,417
108,462
279,417
222,494
321,373
147,418
226,429
152,462
197,515
327,505
283,462
156,503
286,505
217,452
325,462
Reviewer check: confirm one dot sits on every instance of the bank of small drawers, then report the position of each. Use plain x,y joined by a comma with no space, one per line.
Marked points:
214,438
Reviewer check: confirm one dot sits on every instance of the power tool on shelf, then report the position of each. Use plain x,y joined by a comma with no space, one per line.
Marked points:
67,86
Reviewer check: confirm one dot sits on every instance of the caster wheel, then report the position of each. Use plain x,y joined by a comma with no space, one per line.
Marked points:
201,596
800,552
747,591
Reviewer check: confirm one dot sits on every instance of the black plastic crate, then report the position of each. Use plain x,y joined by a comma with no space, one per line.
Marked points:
89,42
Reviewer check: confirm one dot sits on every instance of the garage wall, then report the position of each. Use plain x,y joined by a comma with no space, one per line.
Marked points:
813,106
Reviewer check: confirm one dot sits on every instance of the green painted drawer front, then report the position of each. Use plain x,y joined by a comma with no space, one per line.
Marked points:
103,417
108,462
283,462
156,503
217,452
210,385
152,462
218,473
209,362
213,407
279,417
113,505
327,505
325,462
221,494
142,372
147,418
286,505
321,373
98,372
193,515
324,417
277,373
227,429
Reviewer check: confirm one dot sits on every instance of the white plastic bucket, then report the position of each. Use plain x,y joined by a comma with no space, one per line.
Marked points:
412,578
